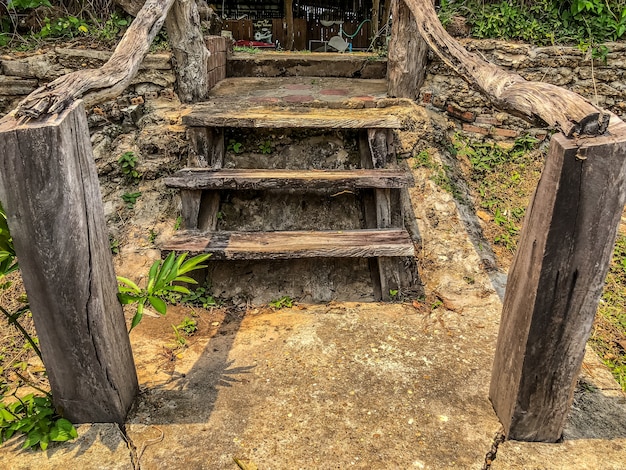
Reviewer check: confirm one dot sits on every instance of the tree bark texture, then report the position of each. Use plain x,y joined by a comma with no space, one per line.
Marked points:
375,17
408,55
289,20
131,7
570,112
190,53
555,283
95,86
49,187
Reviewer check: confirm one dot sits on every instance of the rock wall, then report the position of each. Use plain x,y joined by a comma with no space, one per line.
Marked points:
22,73
600,81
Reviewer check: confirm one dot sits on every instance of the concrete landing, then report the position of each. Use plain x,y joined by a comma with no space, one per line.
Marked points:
344,385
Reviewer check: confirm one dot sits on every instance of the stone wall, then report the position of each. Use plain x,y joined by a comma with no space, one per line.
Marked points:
20,74
602,82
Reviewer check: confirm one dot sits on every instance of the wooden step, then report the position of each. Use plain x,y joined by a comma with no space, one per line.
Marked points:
297,244
203,178
278,117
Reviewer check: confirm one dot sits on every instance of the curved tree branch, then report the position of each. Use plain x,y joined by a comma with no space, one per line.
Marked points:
95,86
572,113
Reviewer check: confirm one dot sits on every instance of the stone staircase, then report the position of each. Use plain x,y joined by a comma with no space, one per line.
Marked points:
301,104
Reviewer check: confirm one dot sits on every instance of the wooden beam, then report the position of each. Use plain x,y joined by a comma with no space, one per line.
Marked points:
375,17
275,117
555,283
242,179
49,188
186,39
289,21
557,106
295,244
408,55
96,86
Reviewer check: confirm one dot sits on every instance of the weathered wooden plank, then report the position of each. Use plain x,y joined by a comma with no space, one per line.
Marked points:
198,178
206,115
206,152
556,281
206,147
408,54
49,188
296,244
382,148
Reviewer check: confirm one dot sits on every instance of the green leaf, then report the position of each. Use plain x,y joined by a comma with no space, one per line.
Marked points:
194,263
152,274
126,299
129,283
186,279
158,305
136,320
181,289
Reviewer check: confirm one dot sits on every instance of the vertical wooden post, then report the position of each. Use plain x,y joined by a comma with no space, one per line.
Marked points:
289,20
206,149
189,50
382,208
375,17
49,188
407,57
556,281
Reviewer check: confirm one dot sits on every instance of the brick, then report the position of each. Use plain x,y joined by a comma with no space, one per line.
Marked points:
500,132
488,119
466,116
475,129
427,97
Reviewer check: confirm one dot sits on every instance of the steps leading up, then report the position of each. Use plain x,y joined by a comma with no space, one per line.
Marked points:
255,179
278,117
295,244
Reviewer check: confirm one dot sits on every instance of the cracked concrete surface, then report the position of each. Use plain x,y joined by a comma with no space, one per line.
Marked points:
344,385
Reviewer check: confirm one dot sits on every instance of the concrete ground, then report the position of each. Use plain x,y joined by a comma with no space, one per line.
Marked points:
344,385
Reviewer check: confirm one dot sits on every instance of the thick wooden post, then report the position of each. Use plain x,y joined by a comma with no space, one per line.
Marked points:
407,57
289,21
49,188
556,281
189,50
375,17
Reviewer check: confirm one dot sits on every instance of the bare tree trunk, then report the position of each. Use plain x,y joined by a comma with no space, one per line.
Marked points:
289,20
186,39
407,56
95,86
572,113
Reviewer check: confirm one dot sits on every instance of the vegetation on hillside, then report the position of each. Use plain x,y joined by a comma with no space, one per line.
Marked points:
581,22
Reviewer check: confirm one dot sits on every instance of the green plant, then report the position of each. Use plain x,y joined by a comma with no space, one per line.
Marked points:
200,297
112,27
188,326
152,236
131,199
265,147
284,301
178,222
35,417
235,146
128,164
246,49
161,279
68,27
114,245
